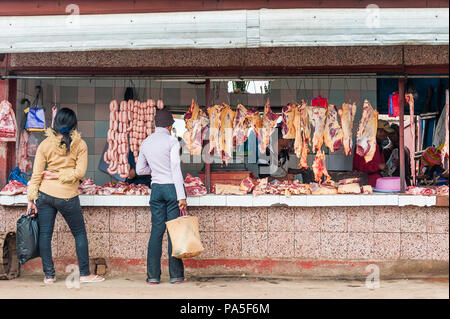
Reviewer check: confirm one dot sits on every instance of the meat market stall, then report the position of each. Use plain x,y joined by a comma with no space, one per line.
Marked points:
332,225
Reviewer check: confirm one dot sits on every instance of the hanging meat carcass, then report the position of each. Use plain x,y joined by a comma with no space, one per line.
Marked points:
269,122
242,125
288,124
221,119
8,124
319,167
302,134
317,118
347,114
333,135
412,125
196,125
22,159
366,143
445,149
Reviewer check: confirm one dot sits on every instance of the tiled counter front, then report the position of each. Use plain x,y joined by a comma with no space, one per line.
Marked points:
236,237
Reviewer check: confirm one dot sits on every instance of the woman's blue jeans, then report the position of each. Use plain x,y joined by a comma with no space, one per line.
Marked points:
164,207
70,209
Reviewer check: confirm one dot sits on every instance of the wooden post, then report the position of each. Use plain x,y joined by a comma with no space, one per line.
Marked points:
208,158
401,92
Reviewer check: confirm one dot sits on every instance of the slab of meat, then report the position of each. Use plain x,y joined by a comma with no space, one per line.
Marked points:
288,125
366,143
424,191
353,188
225,189
349,181
347,114
442,190
13,188
269,123
248,185
412,125
88,187
319,168
445,149
241,125
23,160
302,134
227,116
333,135
194,186
196,125
8,124
367,189
317,119
320,189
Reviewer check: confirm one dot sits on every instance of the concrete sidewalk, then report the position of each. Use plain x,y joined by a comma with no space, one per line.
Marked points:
134,286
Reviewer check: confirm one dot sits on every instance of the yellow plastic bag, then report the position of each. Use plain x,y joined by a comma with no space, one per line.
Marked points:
185,236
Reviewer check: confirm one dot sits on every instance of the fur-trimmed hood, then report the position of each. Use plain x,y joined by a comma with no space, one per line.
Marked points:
55,140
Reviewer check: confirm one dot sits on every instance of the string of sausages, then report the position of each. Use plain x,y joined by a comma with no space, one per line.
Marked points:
129,125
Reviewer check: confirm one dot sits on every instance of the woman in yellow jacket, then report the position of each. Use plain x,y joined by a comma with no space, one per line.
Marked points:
60,162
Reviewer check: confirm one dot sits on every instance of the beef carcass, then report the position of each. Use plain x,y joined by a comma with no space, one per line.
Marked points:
196,125
8,124
23,160
412,125
317,119
242,125
288,124
347,114
269,122
445,149
333,135
214,130
319,168
194,186
302,134
366,143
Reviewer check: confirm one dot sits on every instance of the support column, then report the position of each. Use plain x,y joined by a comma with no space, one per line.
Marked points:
208,157
401,92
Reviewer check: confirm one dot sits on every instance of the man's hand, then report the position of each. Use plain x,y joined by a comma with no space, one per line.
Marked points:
382,166
132,173
32,206
182,204
49,175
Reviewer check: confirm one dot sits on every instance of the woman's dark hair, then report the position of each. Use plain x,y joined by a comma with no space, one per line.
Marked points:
65,122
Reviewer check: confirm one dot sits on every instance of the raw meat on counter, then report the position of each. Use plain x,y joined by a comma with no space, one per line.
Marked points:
349,181
88,187
225,189
317,119
196,124
321,189
14,188
367,189
352,188
194,186
347,114
302,134
366,143
248,185
333,135
8,125
288,125
427,191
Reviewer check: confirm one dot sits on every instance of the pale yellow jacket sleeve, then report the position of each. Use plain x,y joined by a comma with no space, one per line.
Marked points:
73,175
40,161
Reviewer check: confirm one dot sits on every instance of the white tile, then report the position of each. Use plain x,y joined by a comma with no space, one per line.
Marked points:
213,200
20,199
193,201
240,201
294,201
7,200
379,200
431,201
321,200
86,200
266,200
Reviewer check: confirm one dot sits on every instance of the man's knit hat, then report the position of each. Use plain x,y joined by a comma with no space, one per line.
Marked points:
163,118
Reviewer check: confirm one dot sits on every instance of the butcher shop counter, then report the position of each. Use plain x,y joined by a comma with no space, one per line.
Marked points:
338,200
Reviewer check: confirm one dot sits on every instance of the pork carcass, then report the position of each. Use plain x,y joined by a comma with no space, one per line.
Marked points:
333,135
269,123
8,124
288,124
241,125
319,168
302,134
366,143
196,125
412,125
23,160
317,119
347,114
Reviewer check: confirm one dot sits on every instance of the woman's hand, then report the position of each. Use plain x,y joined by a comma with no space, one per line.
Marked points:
32,206
49,175
182,204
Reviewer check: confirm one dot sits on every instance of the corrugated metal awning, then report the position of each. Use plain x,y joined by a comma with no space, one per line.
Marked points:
225,29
